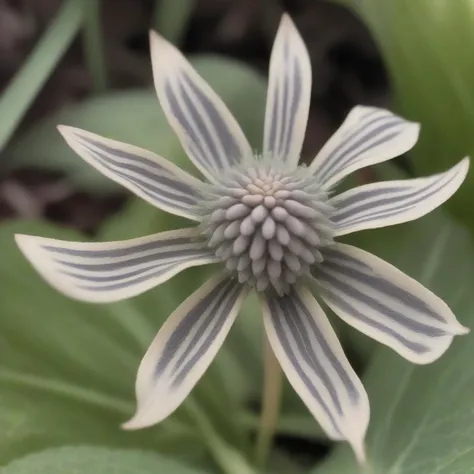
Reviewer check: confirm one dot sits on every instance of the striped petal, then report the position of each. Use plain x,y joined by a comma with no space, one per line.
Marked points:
393,202
315,365
289,94
207,130
368,136
149,176
385,304
112,271
184,348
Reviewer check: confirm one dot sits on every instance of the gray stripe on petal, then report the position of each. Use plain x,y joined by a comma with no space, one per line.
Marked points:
143,167
173,256
302,341
386,288
213,326
231,148
369,205
274,118
180,116
217,306
364,128
295,103
332,358
204,138
278,317
331,295
120,252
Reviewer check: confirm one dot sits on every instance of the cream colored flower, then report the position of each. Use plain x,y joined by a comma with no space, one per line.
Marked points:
272,226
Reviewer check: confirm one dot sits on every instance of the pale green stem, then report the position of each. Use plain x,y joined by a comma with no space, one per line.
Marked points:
292,424
230,460
26,84
271,400
94,45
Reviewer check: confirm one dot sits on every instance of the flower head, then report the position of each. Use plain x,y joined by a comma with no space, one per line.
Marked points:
272,225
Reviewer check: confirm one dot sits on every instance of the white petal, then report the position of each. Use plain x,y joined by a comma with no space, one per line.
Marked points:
385,304
393,202
184,348
368,136
315,365
288,96
149,176
207,130
112,271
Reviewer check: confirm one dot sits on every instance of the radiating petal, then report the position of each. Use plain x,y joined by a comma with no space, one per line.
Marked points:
314,362
183,349
207,130
149,176
112,271
393,202
368,136
289,93
385,304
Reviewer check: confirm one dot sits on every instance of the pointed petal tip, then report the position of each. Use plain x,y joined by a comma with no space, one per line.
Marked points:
464,165
145,416
358,447
158,43
412,132
67,132
25,241
135,423
461,330
286,20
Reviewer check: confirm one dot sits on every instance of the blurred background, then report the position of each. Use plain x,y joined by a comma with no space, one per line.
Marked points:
348,70
67,369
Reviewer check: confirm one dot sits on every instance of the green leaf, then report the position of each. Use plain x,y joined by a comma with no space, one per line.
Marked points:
136,117
422,416
92,460
67,369
39,65
426,47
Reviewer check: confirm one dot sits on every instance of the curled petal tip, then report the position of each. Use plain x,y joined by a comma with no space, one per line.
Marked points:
135,423
466,161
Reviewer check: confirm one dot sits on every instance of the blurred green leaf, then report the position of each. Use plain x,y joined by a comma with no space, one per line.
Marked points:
94,45
422,416
172,18
136,117
92,460
427,47
25,85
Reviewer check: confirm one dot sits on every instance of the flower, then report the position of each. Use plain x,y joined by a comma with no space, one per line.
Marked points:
272,226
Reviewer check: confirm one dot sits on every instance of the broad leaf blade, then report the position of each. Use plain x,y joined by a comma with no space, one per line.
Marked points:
91,460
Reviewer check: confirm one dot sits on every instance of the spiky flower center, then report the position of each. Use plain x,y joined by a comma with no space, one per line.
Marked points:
267,223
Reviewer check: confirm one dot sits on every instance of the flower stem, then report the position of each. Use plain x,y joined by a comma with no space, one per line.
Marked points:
94,45
271,399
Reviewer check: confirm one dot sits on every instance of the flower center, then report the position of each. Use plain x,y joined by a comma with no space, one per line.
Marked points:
267,223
